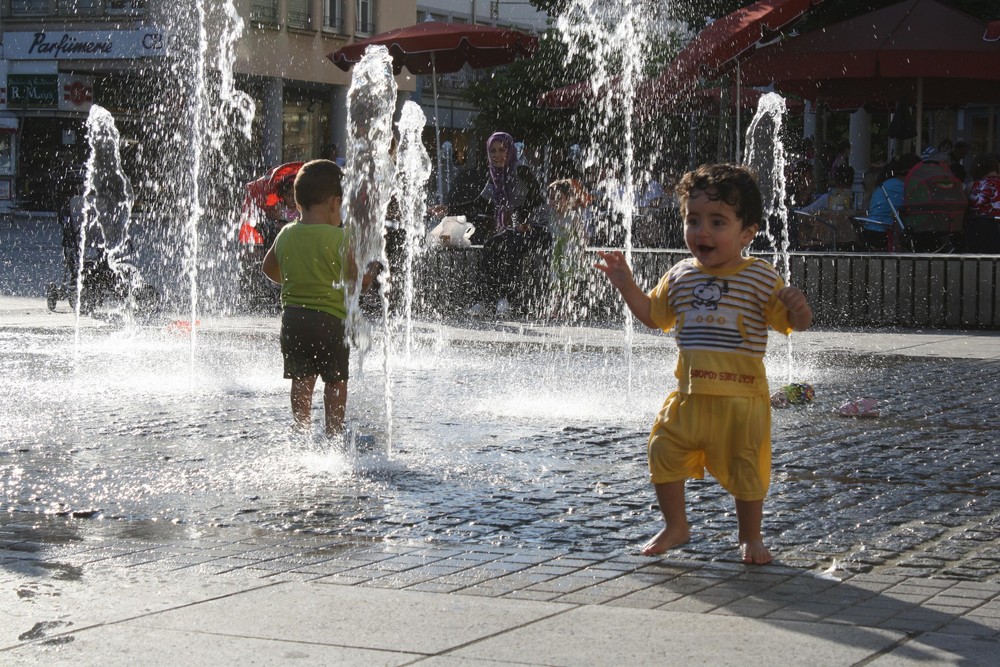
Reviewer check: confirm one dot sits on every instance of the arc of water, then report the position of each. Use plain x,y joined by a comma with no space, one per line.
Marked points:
766,157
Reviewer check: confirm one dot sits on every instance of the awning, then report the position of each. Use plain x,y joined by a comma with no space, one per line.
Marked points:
711,53
716,49
870,55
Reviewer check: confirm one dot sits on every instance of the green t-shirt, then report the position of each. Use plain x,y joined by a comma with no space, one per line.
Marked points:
311,261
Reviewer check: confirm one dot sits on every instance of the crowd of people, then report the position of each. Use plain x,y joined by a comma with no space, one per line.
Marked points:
534,237
821,182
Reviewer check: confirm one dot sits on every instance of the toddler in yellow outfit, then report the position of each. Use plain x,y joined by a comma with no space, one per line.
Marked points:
721,303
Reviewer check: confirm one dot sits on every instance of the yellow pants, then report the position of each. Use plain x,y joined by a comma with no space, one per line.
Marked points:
728,435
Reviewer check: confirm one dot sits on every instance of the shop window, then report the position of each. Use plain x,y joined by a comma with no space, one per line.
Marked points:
125,6
78,7
298,14
333,15
305,124
366,17
6,156
264,11
29,7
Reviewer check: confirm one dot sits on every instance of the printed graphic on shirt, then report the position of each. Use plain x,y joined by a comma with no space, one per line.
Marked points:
725,314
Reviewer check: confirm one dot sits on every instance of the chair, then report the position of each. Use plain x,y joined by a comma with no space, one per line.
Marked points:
825,230
932,216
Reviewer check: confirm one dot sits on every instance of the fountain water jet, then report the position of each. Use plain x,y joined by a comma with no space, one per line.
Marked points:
368,187
413,169
765,156
611,38
107,202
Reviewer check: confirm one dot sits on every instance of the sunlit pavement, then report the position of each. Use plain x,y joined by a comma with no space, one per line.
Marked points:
882,559
886,534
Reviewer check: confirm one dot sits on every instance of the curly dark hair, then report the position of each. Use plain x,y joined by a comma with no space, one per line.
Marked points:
729,183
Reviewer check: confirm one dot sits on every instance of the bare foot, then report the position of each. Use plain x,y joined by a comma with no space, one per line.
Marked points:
666,539
753,552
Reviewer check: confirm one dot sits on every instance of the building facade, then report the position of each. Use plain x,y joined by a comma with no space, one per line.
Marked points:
59,57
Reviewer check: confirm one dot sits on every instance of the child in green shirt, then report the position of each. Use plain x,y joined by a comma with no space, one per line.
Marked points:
311,261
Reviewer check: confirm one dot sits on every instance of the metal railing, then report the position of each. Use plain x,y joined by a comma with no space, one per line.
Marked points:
939,291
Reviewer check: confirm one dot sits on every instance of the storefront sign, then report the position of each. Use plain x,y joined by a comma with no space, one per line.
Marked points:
86,45
32,90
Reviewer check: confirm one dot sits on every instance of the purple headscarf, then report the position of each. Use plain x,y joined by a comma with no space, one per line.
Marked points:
504,179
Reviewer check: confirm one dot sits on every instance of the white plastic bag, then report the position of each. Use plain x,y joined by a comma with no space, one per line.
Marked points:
452,232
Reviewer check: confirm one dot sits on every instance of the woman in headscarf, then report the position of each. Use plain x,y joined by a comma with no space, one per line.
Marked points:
512,198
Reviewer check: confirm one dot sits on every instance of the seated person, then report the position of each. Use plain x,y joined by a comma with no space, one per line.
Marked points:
942,153
839,197
984,197
514,197
888,194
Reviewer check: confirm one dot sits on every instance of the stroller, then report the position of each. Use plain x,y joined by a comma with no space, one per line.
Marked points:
264,213
103,280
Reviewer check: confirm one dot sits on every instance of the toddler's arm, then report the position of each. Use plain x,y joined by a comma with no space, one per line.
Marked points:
270,266
800,315
618,272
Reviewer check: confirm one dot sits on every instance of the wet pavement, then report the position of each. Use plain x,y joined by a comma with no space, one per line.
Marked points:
120,544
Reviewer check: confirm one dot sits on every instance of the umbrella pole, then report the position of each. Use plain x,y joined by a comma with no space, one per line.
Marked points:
739,100
437,129
920,114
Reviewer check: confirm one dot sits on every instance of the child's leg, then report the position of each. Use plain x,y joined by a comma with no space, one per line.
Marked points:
302,392
670,497
750,514
335,402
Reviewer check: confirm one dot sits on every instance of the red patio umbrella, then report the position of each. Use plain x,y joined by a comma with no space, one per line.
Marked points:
917,49
435,47
717,48
712,52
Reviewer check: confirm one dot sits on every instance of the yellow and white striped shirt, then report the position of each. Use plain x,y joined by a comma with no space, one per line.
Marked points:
722,318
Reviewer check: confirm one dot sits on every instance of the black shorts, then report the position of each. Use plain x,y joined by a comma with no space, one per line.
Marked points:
313,343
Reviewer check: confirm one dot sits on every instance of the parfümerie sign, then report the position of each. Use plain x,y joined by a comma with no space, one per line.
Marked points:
85,44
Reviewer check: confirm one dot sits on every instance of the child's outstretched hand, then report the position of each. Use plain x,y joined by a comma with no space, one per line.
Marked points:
799,312
615,268
618,272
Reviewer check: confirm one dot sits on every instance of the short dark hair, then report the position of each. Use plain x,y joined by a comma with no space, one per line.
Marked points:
316,182
729,183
